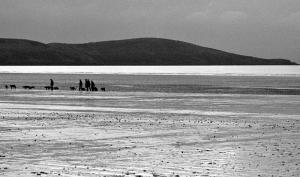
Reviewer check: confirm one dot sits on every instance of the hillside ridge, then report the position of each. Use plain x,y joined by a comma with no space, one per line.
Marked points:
136,51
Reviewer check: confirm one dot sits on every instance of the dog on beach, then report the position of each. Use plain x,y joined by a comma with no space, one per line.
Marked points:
47,87
50,88
28,87
13,87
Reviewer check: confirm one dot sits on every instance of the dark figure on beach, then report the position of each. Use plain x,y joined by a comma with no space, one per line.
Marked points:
93,87
47,87
13,87
51,84
55,88
6,86
103,89
28,87
80,85
72,88
87,85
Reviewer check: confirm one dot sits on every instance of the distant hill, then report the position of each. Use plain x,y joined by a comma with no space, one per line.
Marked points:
141,51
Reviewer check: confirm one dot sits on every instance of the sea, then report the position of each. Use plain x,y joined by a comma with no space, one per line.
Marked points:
273,80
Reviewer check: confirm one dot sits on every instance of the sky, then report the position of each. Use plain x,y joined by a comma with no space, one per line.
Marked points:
261,28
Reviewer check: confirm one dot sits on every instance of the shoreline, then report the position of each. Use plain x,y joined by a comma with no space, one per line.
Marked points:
210,70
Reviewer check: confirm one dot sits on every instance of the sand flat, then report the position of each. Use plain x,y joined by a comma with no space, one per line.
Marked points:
66,133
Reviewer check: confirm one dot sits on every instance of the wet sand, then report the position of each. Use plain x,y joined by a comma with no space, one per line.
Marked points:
67,133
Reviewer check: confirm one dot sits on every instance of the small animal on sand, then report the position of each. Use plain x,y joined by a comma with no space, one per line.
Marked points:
47,87
72,88
103,89
28,87
55,88
13,87
6,86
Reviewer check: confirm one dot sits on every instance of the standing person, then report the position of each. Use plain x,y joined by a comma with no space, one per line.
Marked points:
80,85
92,86
51,84
85,84
88,85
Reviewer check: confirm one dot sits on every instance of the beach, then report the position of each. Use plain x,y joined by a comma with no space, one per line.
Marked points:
71,133
149,88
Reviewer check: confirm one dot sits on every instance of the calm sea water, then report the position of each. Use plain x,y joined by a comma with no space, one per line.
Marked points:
184,79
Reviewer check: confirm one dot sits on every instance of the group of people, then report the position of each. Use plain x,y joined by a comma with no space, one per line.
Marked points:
89,85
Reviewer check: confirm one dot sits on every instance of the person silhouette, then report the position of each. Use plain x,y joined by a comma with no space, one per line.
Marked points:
80,85
88,85
92,86
85,83
51,84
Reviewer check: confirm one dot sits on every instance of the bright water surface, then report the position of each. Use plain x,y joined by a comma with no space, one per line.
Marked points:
179,70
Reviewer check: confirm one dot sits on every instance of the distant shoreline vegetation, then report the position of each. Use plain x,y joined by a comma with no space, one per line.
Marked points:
139,51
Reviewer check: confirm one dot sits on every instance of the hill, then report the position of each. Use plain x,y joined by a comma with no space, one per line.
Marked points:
140,51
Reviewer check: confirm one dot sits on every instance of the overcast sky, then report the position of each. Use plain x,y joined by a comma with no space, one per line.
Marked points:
262,28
